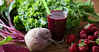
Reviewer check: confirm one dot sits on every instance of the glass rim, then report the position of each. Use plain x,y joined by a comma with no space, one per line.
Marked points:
64,8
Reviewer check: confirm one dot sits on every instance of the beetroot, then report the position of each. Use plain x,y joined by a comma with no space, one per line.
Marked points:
20,50
13,48
1,49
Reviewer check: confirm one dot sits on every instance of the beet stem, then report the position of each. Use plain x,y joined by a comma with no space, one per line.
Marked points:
9,19
3,35
20,33
3,24
6,32
15,31
4,17
18,40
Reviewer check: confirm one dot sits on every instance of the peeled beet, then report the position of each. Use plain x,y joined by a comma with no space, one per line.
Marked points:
13,47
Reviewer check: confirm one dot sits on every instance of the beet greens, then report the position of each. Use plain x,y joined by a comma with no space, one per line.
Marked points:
7,29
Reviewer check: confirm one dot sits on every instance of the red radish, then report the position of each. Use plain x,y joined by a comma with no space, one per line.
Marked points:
80,41
96,34
71,38
91,44
86,41
95,29
90,27
83,36
91,37
95,49
83,48
83,31
73,48
12,47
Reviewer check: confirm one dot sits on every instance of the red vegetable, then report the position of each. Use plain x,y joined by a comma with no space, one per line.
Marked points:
86,41
95,49
91,37
83,48
14,48
83,36
73,48
96,34
91,44
90,27
1,49
83,31
95,29
80,41
71,38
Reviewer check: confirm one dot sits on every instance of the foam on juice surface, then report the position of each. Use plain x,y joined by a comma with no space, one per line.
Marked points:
58,15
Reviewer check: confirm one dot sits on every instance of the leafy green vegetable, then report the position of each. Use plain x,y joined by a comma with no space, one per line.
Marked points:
33,15
7,39
3,4
11,6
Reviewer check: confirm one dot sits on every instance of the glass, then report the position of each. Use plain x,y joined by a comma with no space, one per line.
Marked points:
57,23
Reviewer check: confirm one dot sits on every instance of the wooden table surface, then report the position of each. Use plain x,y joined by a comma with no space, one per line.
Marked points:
53,47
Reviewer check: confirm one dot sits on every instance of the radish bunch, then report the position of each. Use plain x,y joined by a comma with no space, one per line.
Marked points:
89,40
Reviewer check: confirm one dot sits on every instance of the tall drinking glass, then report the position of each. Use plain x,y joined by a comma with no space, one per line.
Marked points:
57,23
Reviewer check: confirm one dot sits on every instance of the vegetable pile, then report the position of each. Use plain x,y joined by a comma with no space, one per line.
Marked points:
89,40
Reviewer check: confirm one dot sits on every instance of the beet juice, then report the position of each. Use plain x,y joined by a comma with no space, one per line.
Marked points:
57,24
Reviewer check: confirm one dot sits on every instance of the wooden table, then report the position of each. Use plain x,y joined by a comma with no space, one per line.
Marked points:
53,47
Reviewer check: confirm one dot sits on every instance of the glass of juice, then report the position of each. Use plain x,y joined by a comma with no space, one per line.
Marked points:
57,23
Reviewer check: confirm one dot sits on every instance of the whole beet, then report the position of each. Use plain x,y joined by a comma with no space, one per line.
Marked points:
37,38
